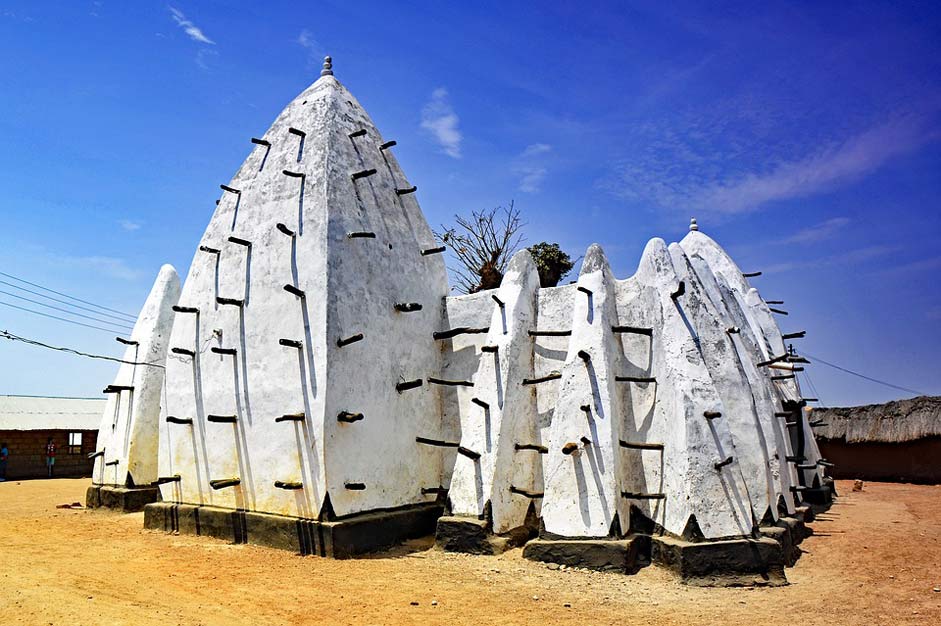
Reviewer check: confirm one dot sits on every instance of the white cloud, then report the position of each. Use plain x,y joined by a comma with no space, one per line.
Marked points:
203,56
530,167
192,30
858,255
531,178
314,52
831,167
129,225
736,164
818,232
439,118
536,149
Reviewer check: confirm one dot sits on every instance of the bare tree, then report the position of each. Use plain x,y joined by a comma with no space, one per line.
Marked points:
483,244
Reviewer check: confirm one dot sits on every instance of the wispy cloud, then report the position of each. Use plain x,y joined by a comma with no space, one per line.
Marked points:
922,265
314,51
857,255
193,31
129,225
817,232
106,265
532,177
732,160
536,149
530,167
203,56
439,119
829,168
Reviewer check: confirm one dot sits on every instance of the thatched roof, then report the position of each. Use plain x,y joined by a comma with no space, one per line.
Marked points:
892,422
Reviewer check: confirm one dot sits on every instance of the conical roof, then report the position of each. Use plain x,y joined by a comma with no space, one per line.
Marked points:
314,292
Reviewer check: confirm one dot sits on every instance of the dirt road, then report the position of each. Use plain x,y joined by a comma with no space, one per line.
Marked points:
875,559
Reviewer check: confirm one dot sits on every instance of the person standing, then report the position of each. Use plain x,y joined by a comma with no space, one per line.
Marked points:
4,454
50,455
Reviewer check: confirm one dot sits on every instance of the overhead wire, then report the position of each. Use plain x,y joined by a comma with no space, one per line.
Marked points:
65,295
77,306
4,334
62,319
817,359
56,308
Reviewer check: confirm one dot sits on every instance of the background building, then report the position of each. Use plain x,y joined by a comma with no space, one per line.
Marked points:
26,422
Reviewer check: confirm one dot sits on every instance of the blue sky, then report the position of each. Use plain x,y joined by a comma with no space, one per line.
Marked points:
803,136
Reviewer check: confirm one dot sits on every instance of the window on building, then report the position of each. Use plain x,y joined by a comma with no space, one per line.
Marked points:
75,443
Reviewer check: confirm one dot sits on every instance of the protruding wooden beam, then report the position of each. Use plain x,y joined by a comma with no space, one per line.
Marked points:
544,379
460,330
342,342
723,463
362,174
632,330
407,307
409,384
640,445
222,483
222,419
635,379
532,495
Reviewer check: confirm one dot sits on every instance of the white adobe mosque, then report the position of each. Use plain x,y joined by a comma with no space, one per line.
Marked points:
322,392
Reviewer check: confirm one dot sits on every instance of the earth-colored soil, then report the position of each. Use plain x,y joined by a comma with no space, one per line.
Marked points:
875,559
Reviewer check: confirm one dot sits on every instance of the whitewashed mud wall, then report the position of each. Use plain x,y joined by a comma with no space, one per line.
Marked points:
304,335
651,395
126,451
318,367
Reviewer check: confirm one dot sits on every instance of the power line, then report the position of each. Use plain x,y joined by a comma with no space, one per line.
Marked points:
62,319
66,302
65,295
875,380
55,308
813,388
8,335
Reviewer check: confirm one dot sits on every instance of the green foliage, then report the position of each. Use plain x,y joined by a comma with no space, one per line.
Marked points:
551,262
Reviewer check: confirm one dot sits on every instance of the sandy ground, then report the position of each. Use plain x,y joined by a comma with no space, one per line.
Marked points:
875,559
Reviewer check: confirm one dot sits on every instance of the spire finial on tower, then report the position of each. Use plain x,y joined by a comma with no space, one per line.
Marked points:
692,224
327,66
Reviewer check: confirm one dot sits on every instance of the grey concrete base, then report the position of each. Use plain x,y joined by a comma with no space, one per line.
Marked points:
727,563
340,539
473,536
124,499
617,555
789,532
818,496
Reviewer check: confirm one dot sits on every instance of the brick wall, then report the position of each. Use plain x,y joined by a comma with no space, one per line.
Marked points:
28,453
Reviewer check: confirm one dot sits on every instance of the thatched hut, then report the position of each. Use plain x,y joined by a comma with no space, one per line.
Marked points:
895,441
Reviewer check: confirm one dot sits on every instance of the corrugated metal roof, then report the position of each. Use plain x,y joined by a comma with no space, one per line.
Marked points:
39,413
